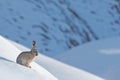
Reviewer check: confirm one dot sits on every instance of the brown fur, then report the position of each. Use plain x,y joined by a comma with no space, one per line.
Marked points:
26,57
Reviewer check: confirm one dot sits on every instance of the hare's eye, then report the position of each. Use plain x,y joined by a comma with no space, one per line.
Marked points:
36,53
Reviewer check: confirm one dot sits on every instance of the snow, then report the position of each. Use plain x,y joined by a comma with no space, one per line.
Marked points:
56,22
57,26
99,57
10,70
44,68
110,51
65,72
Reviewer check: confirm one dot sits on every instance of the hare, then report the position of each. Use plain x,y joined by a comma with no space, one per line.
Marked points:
26,57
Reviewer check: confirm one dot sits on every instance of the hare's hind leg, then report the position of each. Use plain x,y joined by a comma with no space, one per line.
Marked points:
27,65
22,62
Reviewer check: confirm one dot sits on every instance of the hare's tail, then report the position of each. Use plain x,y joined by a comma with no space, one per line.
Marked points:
18,61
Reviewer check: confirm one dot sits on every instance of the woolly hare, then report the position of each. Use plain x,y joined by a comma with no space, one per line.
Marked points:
25,58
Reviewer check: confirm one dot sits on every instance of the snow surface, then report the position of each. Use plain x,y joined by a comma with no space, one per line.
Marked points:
10,70
51,67
101,57
67,23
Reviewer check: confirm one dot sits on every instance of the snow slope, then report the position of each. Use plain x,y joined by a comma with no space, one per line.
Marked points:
60,70
66,23
101,57
9,70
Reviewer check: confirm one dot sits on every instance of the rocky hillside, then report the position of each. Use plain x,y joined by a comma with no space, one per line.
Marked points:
58,25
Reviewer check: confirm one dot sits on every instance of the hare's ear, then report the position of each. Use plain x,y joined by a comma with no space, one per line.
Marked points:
34,43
